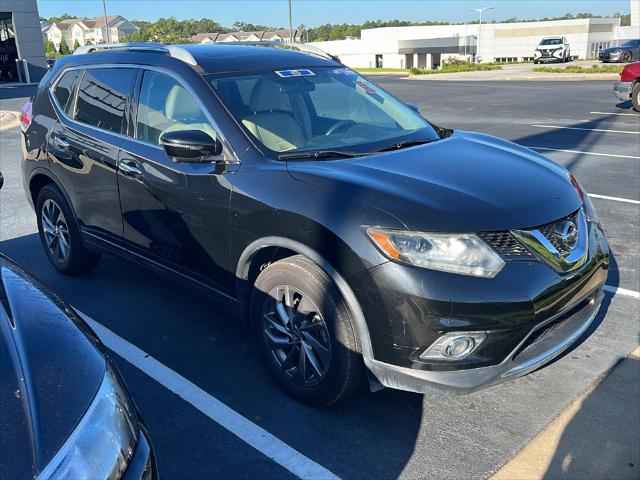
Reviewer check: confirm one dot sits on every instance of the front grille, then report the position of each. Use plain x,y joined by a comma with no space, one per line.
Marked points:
505,244
549,231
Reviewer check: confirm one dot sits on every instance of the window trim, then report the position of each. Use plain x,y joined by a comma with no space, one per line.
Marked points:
61,113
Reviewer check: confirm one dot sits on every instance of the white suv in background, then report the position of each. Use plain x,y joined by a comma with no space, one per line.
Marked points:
552,48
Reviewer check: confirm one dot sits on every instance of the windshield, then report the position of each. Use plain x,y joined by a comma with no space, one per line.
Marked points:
318,109
630,43
551,41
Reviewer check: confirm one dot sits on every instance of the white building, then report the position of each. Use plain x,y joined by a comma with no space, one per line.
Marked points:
92,31
429,46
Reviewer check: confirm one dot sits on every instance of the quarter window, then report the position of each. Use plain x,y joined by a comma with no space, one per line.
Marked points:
103,96
65,88
166,106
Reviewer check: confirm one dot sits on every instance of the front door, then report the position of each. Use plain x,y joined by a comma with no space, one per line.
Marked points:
175,214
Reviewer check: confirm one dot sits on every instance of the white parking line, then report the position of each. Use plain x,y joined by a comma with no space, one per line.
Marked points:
247,431
621,114
622,291
635,157
615,199
587,129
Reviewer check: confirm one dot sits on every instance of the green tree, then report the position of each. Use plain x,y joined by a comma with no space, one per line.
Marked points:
64,48
50,49
76,45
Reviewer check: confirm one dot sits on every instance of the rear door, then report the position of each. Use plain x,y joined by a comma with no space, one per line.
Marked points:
83,146
174,214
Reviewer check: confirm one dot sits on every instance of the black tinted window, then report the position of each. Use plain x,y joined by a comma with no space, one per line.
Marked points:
102,97
65,87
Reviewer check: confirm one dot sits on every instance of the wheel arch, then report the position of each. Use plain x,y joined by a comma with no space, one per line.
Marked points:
284,247
41,177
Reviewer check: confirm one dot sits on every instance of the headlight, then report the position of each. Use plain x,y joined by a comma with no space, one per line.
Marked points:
103,442
456,253
589,209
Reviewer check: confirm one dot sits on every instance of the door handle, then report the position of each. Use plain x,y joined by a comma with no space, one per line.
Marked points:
61,143
129,168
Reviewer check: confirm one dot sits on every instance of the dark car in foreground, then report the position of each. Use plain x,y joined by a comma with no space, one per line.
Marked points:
64,411
626,52
350,234
628,87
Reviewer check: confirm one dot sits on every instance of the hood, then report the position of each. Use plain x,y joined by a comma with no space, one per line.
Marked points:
50,373
465,183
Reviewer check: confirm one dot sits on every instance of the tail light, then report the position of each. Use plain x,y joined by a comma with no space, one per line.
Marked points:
26,115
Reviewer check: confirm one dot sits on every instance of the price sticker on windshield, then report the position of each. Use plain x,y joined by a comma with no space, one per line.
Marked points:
294,73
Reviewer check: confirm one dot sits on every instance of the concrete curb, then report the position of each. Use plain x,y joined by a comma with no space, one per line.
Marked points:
9,119
605,432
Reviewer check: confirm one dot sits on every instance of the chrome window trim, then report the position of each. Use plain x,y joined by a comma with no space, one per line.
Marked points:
153,68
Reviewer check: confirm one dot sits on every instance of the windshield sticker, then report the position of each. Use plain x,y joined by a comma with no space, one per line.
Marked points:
294,73
345,71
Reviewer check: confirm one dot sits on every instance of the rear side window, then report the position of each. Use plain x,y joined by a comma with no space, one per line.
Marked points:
65,88
102,98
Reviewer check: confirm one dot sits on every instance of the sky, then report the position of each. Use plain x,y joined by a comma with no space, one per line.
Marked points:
316,12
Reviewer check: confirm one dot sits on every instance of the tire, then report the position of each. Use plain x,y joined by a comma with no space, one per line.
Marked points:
535,62
328,374
626,57
60,235
635,97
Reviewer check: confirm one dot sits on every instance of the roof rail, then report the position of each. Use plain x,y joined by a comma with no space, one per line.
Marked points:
303,47
173,50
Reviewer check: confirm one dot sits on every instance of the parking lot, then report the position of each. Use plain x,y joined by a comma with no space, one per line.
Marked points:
211,409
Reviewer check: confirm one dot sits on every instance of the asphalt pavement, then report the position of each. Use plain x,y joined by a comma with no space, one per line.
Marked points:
212,410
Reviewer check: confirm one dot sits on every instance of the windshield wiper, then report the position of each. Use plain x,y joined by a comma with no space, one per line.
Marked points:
319,154
405,144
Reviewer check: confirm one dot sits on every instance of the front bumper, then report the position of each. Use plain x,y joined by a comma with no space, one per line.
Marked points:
549,56
417,306
543,344
142,465
610,57
622,90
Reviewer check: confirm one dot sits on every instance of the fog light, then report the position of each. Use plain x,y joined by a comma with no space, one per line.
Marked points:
459,347
454,346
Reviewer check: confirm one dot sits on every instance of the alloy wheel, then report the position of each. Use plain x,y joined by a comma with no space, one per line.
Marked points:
297,336
55,230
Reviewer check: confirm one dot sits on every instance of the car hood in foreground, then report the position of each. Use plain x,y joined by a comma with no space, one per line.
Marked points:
465,183
50,373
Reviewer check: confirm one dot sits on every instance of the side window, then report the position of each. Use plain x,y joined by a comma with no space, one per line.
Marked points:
166,106
65,88
102,98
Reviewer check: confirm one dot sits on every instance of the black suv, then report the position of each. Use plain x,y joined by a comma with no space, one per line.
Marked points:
350,234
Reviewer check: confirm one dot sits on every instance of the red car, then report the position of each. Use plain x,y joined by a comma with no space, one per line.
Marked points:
629,85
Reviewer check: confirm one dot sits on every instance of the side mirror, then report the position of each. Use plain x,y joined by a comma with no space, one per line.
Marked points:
190,146
413,107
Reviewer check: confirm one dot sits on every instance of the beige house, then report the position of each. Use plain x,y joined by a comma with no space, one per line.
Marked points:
257,36
92,31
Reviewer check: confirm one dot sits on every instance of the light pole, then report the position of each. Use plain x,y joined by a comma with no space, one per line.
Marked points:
106,26
618,14
479,10
290,24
